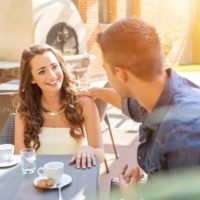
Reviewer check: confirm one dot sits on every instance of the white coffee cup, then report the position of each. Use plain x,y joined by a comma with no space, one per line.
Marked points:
52,170
6,152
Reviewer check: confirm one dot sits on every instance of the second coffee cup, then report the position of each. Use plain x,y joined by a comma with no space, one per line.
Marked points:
6,152
52,170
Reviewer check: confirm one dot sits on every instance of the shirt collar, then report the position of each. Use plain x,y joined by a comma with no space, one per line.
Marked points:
163,102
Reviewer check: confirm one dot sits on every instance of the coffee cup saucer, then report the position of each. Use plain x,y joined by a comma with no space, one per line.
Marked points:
65,180
13,161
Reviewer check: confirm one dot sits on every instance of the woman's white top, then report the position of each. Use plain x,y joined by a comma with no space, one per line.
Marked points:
59,141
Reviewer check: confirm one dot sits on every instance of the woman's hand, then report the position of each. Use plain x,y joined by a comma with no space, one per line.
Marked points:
84,158
127,179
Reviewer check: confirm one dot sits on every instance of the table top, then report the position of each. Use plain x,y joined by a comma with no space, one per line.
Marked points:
16,186
9,65
6,87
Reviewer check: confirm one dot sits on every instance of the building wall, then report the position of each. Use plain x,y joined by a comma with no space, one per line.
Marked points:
181,17
89,11
15,29
172,19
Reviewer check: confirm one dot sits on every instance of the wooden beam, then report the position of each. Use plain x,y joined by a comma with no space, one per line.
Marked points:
136,8
196,35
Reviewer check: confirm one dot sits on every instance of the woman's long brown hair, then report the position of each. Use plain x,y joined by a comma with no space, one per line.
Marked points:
30,107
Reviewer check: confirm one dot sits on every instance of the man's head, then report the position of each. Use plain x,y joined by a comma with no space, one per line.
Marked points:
133,45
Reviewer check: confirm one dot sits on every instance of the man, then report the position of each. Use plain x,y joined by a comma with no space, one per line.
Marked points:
167,105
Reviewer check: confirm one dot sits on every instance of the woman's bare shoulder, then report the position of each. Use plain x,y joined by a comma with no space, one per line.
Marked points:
85,100
87,104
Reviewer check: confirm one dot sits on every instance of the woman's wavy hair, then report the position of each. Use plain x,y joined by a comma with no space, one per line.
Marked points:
30,107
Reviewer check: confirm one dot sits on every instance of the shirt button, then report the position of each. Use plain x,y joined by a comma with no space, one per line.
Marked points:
141,138
139,158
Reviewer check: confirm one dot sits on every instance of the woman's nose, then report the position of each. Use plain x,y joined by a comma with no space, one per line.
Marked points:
51,74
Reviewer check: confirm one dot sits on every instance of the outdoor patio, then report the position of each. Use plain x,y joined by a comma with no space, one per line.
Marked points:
125,133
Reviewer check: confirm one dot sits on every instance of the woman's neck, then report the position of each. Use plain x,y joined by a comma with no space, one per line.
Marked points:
51,102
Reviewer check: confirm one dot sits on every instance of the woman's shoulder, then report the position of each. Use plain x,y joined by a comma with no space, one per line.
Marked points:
87,104
85,100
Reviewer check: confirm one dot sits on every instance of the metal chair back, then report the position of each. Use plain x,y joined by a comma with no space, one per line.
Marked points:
102,106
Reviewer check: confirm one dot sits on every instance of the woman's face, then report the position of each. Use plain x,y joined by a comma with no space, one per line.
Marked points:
47,72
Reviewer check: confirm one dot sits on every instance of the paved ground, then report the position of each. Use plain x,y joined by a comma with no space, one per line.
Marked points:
125,133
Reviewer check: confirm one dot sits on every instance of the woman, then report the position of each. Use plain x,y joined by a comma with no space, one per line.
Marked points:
50,117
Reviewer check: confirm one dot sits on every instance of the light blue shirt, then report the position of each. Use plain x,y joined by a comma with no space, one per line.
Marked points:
170,134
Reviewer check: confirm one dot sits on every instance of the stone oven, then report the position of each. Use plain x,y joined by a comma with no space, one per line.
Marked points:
25,22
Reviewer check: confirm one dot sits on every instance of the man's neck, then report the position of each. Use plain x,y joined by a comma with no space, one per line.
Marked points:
148,93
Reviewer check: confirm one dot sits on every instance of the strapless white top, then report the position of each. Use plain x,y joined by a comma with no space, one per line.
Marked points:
59,141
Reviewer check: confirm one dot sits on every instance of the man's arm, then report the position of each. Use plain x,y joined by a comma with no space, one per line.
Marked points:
183,148
108,95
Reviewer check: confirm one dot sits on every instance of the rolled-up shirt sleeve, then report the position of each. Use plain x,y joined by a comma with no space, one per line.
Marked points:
131,108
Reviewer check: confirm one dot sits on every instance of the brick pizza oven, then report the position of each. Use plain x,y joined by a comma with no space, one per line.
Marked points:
25,22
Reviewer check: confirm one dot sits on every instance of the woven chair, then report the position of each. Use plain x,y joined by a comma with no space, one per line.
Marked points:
6,107
101,106
8,130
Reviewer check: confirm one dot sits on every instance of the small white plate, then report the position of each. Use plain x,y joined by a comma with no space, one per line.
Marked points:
15,159
65,180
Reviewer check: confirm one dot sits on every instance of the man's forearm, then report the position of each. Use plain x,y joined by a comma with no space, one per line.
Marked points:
108,95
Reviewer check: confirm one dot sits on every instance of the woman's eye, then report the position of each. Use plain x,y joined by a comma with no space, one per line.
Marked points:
41,72
54,67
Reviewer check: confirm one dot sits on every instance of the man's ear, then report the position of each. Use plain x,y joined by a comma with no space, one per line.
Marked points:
121,74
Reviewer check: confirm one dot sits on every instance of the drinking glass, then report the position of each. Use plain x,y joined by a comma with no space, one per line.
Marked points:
28,160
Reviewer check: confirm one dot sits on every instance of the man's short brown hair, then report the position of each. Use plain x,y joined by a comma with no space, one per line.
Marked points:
132,44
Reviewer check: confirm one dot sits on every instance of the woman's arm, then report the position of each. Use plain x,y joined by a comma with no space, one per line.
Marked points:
19,133
93,133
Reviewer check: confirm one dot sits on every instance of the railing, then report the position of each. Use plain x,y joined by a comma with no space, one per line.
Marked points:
79,65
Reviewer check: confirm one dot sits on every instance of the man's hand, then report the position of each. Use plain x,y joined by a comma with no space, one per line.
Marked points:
108,95
87,92
127,179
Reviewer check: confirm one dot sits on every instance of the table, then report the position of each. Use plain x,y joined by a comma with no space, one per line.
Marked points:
16,186
9,65
10,86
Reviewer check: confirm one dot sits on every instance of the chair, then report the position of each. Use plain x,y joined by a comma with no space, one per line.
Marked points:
101,106
6,107
8,130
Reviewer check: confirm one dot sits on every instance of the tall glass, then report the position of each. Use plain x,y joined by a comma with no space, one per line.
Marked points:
28,160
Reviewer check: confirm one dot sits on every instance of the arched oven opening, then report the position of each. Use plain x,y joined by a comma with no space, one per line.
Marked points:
64,38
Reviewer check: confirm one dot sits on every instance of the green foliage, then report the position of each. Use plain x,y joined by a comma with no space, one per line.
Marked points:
168,39
187,68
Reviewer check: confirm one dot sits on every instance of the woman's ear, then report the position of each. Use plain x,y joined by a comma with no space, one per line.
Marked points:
121,74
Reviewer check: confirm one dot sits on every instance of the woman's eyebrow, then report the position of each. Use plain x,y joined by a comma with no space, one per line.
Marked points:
52,64
40,68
